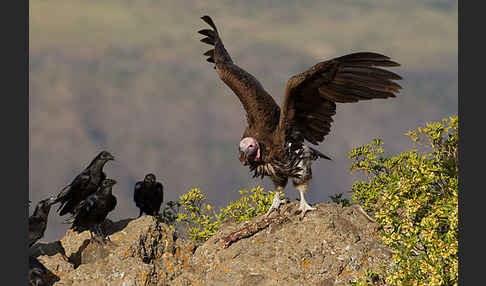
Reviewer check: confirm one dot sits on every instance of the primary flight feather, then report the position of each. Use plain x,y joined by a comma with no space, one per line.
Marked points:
273,142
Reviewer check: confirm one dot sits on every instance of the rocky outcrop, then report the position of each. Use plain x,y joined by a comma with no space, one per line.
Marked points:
330,246
131,257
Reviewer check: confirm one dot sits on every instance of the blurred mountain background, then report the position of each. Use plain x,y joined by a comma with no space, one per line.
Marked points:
130,77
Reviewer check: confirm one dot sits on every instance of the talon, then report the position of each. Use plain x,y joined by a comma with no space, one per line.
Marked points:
275,203
303,209
304,206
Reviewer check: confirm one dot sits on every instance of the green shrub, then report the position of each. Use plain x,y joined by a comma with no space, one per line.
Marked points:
338,199
198,220
369,278
414,198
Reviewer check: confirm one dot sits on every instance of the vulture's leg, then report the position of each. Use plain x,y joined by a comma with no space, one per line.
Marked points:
301,181
276,201
280,184
304,206
141,212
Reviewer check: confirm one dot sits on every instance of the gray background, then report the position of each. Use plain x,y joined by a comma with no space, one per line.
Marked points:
129,77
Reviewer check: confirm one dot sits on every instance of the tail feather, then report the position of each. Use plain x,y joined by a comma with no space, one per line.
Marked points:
317,153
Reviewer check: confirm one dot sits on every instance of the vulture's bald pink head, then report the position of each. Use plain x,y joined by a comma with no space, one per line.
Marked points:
249,150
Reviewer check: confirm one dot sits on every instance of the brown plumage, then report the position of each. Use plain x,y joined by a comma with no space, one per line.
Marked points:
277,146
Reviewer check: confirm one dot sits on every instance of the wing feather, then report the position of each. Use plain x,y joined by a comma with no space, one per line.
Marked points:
261,109
67,192
82,209
311,97
138,193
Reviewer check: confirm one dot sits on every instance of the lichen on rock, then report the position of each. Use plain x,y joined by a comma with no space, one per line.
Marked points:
330,246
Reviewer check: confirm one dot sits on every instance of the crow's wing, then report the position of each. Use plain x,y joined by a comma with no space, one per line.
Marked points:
66,193
137,194
36,226
160,191
83,208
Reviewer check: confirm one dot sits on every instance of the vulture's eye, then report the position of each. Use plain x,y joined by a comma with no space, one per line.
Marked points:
251,145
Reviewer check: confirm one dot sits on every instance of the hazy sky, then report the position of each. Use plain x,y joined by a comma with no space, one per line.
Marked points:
130,77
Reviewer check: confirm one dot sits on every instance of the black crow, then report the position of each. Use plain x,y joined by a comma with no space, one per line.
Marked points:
84,184
91,212
38,220
38,273
148,195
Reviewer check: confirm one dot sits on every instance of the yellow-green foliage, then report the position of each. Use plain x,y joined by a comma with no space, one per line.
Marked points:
369,278
250,204
414,197
199,220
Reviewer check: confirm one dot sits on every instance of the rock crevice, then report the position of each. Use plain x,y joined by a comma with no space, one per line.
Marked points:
330,246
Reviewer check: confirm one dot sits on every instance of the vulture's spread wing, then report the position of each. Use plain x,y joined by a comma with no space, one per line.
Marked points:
310,97
262,111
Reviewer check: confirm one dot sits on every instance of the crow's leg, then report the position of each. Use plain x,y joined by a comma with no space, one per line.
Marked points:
98,231
152,212
98,235
141,212
104,237
93,230
41,249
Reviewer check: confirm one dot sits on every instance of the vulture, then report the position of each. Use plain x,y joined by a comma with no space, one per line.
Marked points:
84,184
148,195
274,142
38,220
92,211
